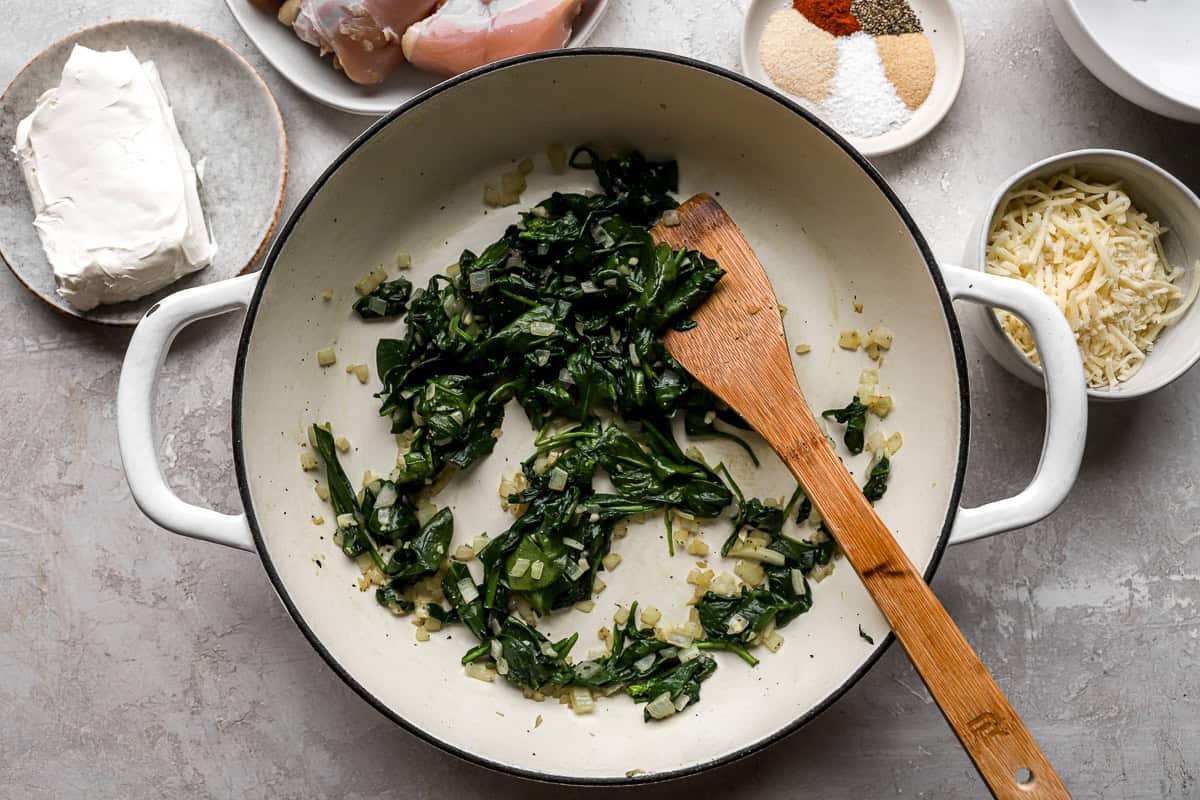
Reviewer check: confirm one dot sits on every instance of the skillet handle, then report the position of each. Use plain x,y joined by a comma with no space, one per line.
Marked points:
1066,404
135,411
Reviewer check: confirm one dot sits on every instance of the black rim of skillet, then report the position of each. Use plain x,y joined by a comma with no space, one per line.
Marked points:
239,386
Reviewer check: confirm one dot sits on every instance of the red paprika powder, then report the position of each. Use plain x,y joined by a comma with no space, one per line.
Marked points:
830,15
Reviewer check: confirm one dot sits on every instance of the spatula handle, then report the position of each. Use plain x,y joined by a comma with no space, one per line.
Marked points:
1004,752
1002,748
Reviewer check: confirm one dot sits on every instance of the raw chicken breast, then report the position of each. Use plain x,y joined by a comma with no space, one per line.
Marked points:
465,34
364,35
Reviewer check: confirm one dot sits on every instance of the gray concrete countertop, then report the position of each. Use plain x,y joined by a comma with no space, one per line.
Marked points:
136,664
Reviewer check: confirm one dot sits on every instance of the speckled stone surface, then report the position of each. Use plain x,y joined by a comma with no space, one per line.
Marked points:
136,664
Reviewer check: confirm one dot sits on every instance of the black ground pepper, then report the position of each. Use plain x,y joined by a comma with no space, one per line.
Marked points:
885,17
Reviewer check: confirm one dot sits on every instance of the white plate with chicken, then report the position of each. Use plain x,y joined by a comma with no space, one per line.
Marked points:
370,56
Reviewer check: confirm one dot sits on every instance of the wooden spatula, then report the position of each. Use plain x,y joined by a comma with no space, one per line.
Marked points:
739,352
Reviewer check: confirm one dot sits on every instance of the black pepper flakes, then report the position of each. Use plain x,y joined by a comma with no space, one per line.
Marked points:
885,17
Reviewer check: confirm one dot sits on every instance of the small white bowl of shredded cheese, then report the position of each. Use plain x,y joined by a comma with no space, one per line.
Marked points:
1114,240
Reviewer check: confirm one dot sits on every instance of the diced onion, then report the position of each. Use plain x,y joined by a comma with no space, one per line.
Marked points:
479,280
737,624
661,707
564,376
797,581
497,650
558,479
670,218
644,663
347,521
540,357
688,653
386,497
468,590
536,569
576,569
574,544
377,305
581,701
480,672
682,702
425,511
541,328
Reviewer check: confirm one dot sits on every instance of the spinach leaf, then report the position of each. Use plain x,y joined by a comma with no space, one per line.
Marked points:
854,417
656,471
677,682
742,617
877,479
527,655
425,553
389,299
471,611
350,535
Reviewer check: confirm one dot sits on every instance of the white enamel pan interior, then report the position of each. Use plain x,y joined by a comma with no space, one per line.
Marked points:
830,233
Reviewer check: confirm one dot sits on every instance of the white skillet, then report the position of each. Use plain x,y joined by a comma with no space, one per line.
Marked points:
413,182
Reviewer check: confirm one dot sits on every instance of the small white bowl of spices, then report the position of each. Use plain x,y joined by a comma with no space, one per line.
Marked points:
1114,240
883,73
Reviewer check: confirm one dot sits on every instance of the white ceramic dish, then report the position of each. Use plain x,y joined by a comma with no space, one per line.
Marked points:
1147,52
301,64
412,183
940,20
226,116
1154,191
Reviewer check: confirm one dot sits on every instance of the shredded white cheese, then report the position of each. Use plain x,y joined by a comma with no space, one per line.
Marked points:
1085,245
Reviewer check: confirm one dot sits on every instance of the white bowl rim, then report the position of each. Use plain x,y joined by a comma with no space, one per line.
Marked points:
917,132
365,107
1072,8
1064,158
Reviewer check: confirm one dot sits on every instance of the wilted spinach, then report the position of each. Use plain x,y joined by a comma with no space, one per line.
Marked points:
564,314
388,299
854,417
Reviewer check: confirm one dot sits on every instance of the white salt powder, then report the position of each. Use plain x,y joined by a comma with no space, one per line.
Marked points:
862,102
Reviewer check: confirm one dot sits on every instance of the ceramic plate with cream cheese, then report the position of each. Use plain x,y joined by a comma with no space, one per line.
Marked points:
229,126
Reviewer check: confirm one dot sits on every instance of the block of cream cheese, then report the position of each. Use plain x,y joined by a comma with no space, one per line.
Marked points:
113,186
